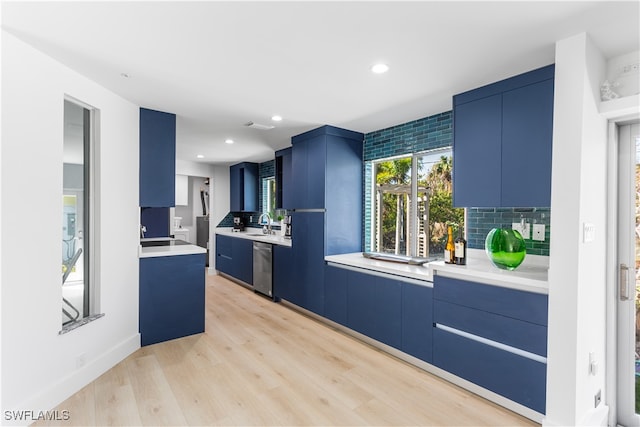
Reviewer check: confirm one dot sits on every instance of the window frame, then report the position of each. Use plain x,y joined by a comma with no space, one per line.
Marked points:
90,309
413,208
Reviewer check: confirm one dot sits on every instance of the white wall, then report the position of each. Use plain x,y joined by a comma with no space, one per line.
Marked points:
38,366
577,270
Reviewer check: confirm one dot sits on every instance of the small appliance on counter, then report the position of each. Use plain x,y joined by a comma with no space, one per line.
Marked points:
286,221
238,225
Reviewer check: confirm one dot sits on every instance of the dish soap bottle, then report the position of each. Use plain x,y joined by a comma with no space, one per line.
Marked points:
449,249
460,252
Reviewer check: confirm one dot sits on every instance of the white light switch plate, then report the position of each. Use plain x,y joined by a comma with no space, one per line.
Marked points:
538,232
588,232
523,231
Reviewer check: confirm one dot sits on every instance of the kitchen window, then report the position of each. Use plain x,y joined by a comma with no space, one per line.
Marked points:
411,203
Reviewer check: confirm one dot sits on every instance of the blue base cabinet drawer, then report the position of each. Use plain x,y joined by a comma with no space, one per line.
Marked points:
516,377
512,303
512,332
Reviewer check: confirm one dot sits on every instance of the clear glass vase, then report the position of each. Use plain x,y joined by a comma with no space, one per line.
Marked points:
505,248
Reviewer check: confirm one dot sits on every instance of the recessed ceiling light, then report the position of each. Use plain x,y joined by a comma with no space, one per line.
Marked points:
228,141
276,118
380,68
200,156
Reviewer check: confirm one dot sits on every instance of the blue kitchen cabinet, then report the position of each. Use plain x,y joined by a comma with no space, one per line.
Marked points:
172,297
374,307
284,175
327,171
503,142
157,159
242,264
283,286
308,260
326,199
243,194
224,254
335,294
417,320
307,165
493,336
234,257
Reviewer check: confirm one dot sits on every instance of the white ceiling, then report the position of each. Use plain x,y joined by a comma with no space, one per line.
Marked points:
218,65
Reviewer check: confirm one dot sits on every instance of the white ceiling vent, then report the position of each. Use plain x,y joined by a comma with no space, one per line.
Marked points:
258,126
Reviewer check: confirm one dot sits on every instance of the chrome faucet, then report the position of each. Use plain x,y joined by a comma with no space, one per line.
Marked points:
266,230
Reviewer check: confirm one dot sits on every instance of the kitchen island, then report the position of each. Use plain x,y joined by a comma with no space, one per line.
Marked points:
172,284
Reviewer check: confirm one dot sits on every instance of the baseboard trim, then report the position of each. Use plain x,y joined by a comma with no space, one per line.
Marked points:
67,386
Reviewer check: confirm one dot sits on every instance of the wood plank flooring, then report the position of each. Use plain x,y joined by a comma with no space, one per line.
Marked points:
264,364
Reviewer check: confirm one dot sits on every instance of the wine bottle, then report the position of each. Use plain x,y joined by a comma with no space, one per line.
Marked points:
449,249
460,251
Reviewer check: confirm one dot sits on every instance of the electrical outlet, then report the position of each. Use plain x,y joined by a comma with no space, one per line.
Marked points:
81,359
597,399
523,231
538,232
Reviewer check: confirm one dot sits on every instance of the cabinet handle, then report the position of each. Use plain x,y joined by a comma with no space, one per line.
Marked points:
624,282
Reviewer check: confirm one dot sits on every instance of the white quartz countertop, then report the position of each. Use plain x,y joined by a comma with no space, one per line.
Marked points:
159,251
255,234
531,276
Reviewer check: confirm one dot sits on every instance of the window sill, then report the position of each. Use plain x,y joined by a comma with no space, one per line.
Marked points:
74,325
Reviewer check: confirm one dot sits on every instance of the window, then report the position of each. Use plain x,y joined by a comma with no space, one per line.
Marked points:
78,297
269,196
412,204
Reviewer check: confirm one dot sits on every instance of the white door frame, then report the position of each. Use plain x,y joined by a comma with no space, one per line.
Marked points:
617,396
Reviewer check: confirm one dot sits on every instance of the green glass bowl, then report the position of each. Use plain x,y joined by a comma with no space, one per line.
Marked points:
505,248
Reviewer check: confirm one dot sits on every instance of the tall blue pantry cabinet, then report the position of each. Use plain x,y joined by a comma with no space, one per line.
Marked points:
326,198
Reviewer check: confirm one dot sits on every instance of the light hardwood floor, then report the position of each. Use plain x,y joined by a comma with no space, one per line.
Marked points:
263,364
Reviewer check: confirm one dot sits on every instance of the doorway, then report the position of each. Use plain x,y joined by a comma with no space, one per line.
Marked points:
627,247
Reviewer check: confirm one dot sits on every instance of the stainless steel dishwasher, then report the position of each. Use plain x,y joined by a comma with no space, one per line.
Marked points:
262,270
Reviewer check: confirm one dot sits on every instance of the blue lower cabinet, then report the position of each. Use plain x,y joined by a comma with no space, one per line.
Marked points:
242,265
282,267
335,294
224,254
374,306
417,321
172,297
307,272
513,376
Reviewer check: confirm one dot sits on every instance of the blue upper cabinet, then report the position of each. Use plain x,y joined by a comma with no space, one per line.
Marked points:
283,179
503,141
157,158
244,187
327,166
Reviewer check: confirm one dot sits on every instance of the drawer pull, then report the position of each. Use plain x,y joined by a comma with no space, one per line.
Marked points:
494,344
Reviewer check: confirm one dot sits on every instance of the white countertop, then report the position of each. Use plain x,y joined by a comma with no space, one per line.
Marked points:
530,276
255,234
158,251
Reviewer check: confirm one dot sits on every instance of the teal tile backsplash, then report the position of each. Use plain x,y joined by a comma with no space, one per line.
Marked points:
436,132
